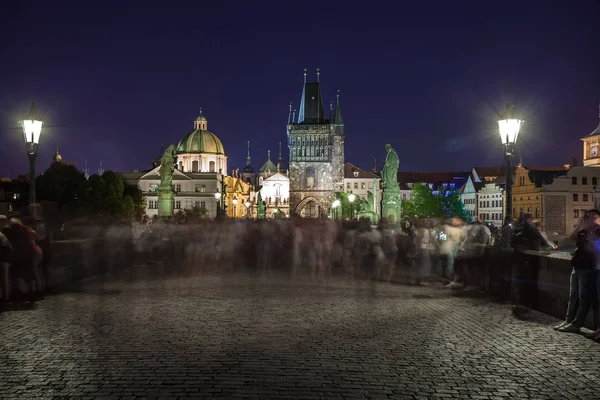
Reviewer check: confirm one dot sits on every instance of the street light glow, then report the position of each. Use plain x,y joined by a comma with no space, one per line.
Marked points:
351,197
336,204
32,129
509,126
247,204
235,200
218,195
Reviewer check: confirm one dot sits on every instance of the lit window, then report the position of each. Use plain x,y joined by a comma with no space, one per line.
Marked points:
585,197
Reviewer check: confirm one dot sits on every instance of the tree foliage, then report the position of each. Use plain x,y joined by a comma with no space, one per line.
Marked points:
425,203
62,184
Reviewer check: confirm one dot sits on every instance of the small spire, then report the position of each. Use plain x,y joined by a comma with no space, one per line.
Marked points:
331,113
290,120
318,74
280,159
248,156
294,115
338,111
200,110
304,75
375,165
268,154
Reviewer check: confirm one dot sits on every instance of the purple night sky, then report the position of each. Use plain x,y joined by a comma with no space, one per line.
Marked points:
118,79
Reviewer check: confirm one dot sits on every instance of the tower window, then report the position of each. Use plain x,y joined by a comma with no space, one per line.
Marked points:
211,166
310,177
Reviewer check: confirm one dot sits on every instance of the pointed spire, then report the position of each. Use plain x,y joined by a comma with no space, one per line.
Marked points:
268,154
280,159
338,112
331,114
311,103
248,156
304,75
294,116
375,165
318,74
290,120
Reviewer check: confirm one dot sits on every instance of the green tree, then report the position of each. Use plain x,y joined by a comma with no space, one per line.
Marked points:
453,205
344,210
137,196
63,184
425,203
128,207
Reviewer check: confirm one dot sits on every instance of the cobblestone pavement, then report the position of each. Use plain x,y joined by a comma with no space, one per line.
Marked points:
239,337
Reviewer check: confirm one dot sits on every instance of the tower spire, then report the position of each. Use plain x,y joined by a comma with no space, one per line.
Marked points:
338,111
290,120
268,154
318,75
248,156
311,104
331,114
280,159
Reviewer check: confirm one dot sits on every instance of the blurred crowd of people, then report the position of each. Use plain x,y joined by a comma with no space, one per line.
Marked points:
25,257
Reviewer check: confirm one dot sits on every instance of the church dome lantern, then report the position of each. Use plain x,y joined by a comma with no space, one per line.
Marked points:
200,140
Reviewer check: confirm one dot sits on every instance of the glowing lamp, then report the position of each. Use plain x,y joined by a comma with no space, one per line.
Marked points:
509,127
351,197
247,204
336,204
235,200
218,195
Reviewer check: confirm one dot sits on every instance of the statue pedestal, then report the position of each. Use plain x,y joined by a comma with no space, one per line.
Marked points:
391,205
166,196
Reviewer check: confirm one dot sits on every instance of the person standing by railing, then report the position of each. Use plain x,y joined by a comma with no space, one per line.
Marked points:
583,283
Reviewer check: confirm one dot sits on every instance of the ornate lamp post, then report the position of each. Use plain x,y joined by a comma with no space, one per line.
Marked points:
336,203
351,198
234,201
509,131
247,204
32,128
218,201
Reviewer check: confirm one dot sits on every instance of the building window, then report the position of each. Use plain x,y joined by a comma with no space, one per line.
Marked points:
574,180
178,205
403,196
178,188
194,166
584,180
310,177
211,166
575,197
363,185
196,204
594,181
575,213
153,188
202,204
355,185
348,186
370,185
585,197
537,212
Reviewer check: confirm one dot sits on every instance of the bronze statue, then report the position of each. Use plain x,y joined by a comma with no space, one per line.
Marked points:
167,166
389,174
260,207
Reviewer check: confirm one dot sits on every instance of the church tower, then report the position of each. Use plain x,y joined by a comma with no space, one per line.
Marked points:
316,153
591,146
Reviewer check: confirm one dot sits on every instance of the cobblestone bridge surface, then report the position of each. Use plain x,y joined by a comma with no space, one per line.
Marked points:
240,337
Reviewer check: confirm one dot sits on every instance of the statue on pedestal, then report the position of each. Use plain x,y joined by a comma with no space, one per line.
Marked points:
166,194
260,207
390,203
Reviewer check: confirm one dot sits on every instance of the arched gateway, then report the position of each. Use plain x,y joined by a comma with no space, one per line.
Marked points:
311,208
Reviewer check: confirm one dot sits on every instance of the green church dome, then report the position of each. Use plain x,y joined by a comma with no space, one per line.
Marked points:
200,140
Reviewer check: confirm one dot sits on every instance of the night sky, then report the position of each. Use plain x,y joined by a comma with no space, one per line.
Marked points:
120,79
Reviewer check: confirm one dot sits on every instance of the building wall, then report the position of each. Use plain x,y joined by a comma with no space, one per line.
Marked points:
361,186
490,204
185,162
577,189
527,198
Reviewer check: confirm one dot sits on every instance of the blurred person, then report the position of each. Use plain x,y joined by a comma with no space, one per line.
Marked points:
424,260
44,241
136,237
455,235
584,277
6,253
27,256
525,267
472,254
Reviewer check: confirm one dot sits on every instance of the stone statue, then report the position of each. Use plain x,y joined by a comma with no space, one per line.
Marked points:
390,202
370,201
389,175
167,166
260,207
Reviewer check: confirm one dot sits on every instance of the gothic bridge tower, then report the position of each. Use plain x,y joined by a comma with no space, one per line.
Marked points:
316,147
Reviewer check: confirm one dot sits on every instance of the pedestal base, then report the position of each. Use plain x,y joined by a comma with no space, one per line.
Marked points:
391,206
166,198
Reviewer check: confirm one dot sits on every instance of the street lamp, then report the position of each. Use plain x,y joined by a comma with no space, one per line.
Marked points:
32,128
351,198
335,205
218,198
509,131
234,201
247,204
